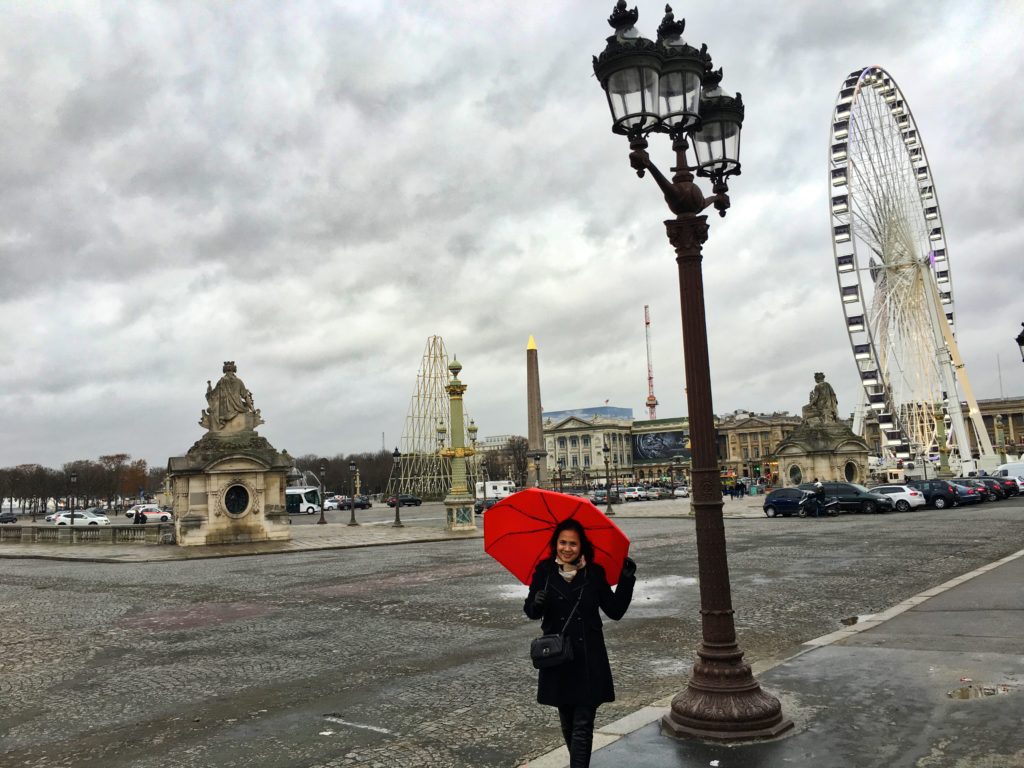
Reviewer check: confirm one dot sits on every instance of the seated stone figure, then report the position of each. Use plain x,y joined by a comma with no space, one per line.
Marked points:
823,407
227,400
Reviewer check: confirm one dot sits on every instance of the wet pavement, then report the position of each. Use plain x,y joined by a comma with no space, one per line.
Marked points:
417,654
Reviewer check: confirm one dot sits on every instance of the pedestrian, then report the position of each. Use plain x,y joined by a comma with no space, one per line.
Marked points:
569,587
139,518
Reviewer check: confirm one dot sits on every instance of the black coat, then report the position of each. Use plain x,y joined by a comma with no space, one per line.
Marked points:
587,679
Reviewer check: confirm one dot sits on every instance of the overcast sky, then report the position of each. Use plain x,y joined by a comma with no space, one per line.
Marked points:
312,189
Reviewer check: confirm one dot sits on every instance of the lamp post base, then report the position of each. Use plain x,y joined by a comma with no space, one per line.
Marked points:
723,702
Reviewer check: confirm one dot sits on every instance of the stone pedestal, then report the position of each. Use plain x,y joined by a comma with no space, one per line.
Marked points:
230,486
230,490
828,452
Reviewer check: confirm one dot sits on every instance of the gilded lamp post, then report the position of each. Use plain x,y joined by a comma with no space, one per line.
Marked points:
459,502
669,87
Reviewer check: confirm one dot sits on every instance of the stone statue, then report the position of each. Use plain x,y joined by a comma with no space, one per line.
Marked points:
823,406
228,400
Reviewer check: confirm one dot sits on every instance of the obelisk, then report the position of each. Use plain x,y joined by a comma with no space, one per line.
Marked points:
538,474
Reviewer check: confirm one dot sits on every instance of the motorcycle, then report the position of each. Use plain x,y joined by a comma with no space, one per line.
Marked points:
812,506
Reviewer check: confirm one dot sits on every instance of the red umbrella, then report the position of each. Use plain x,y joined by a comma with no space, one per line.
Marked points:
517,531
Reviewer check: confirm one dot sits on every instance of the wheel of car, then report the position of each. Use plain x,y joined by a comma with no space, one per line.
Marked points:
418,502
939,502
93,523
869,508
310,511
163,518
902,505
769,511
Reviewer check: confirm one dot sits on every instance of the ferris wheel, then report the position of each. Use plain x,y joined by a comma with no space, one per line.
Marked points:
895,280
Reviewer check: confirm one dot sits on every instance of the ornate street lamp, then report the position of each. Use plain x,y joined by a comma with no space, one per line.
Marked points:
607,481
667,86
73,478
352,473
396,457
561,468
1020,342
323,492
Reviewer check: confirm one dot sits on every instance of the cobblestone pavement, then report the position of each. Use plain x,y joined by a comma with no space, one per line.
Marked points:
412,655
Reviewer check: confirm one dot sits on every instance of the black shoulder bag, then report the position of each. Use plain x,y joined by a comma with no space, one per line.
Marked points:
552,650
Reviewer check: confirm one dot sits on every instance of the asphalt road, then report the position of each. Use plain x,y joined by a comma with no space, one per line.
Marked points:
412,655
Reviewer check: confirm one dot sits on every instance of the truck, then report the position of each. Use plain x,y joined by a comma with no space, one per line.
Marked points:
495,489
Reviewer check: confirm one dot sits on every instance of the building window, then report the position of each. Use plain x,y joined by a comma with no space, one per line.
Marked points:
573,442
586,442
575,461
561,443
586,461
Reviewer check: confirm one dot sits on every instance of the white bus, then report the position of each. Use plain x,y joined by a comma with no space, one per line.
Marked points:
302,500
495,489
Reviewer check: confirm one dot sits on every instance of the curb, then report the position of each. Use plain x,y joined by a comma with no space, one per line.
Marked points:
611,733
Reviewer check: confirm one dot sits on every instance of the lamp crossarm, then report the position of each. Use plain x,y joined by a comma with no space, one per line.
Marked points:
683,196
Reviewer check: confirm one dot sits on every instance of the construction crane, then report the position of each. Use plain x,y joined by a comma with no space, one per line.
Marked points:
652,401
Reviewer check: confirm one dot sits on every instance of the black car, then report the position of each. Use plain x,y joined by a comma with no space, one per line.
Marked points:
405,500
969,494
8,517
854,498
1008,484
482,505
995,487
362,502
784,502
937,493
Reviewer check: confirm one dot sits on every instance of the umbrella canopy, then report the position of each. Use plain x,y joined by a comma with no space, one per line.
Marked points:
518,529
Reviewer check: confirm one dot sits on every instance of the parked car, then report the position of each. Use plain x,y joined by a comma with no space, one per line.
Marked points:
785,502
600,496
482,505
81,517
903,497
405,500
986,493
8,517
682,492
330,504
937,493
634,493
854,497
362,502
1011,485
130,512
995,486
967,494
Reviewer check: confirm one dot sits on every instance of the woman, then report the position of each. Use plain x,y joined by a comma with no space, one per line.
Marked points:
571,579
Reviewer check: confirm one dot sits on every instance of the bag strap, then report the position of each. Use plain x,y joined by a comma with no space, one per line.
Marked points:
566,625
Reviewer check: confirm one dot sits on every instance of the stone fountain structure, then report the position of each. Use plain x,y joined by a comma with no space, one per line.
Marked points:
822,447
229,488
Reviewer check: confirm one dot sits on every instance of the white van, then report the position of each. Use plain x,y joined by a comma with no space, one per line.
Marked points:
1014,470
495,489
302,499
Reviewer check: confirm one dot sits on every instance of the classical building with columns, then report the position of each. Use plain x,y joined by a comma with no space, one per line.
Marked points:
747,440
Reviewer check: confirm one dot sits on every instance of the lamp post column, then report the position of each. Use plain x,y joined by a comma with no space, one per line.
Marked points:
323,492
352,469
458,503
722,697
397,458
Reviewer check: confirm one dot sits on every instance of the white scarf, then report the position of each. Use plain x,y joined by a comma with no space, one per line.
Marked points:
568,570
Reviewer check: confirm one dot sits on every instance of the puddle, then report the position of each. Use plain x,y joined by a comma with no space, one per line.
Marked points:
658,589
980,691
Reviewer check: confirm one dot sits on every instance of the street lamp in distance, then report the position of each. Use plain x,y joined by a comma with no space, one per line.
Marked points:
396,457
74,498
607,481
561,468
352,472
323,493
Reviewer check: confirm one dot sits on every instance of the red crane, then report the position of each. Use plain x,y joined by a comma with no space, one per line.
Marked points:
652,401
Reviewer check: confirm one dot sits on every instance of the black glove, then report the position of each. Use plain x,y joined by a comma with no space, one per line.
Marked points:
628,568
540,598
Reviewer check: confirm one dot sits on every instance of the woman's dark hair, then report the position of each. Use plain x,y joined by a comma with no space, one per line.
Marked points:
586,548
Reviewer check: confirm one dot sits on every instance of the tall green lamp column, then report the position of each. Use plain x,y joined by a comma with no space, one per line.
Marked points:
459,502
